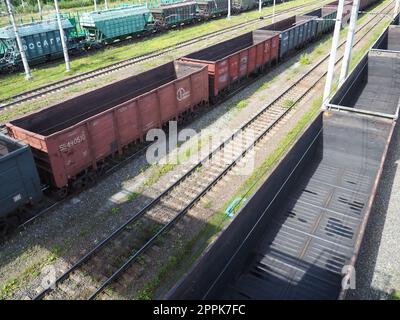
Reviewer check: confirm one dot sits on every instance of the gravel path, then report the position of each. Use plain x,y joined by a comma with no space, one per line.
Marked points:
378,266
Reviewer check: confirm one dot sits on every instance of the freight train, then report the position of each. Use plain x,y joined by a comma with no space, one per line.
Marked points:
91,30
74,141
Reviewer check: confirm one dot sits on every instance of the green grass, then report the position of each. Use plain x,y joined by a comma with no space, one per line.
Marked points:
242,104
133,195
395,295
15,83
66,6
305,59
115,210
158,172
29,273
288,103
208,204
186,253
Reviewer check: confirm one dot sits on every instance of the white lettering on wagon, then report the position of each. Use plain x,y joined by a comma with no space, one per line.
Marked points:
69,144
182,94
43,44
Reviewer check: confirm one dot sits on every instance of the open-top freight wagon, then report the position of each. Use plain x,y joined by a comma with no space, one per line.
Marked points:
20,184
303,227
73,139
390,38
373,86
230,61
294,33
325,20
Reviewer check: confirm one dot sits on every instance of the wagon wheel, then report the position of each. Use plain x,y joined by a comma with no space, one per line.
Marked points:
8,224
3,227
90,179
62,193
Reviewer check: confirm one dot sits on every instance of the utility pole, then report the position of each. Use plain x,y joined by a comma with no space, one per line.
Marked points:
396,8
259,5
273,12
28,75
62,35
229,10
349,41
332,58
95,5
39,8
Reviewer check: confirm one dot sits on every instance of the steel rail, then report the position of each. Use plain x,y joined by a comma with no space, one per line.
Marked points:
187,174
240,157
62,84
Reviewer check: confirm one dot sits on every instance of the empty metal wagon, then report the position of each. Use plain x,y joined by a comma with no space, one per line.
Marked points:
302,230
373,87
389,40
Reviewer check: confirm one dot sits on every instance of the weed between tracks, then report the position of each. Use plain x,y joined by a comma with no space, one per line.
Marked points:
33,271
215,224
192,249
395,295
204,237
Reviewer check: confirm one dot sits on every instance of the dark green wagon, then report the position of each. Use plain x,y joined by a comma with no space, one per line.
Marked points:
244,5
114,24
20,184
175,14
325,20
41,41
212,8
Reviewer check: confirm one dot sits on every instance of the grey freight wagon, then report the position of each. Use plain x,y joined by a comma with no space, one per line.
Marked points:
19,179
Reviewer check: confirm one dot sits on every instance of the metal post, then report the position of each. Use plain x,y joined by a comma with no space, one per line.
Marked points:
332,58
349,41
95,5
19,42
229,10
40,8
396,8
106,4
259,5
62,35
273,12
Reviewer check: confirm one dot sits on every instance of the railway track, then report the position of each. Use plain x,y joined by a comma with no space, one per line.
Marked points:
120,253
63,84
28,216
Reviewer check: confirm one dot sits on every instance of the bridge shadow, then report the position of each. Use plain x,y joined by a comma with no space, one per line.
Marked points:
294,244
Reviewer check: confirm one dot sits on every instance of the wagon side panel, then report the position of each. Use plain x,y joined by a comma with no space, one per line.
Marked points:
149,111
